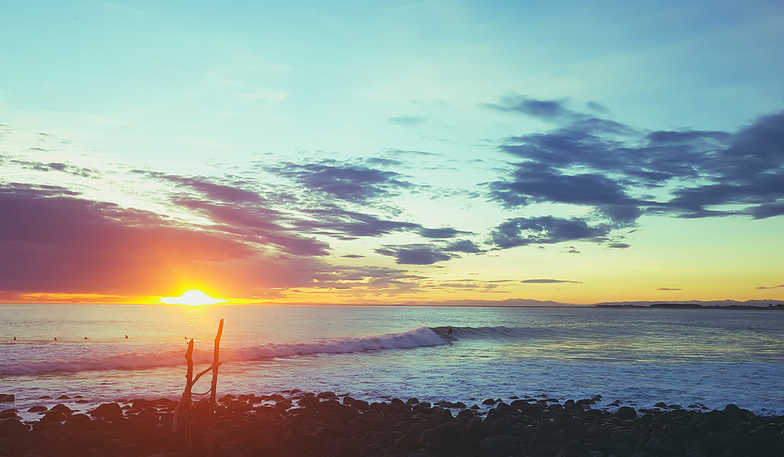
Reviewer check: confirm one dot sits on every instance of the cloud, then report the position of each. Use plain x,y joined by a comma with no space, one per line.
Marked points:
612,168
407,121
257,224
352,183
207,188
54,241
780,286
353,256
668,288
56,166
619,245
415,254
544,109
550,281
523,231
466,246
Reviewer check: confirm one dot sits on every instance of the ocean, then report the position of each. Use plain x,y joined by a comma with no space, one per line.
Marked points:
637,357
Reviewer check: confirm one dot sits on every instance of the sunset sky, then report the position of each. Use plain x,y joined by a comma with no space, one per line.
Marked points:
399,152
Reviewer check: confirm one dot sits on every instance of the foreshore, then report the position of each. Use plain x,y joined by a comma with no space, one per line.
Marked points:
326,425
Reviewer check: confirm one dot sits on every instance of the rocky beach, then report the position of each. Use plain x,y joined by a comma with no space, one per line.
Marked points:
325,424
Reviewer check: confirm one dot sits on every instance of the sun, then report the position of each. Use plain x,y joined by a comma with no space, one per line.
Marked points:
192,297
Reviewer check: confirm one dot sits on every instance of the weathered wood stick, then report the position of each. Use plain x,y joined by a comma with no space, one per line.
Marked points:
214,390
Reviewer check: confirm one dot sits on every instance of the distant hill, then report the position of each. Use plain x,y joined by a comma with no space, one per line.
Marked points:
698,304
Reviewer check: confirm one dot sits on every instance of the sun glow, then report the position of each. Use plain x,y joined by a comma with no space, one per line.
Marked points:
192,298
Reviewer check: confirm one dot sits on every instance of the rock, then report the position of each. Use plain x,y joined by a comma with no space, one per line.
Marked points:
78,420
60,409
674,406
37,409
660,404
626,413
412,401
499,445
6,398
327,394
107,411
449,404
63,397
488,402
8,414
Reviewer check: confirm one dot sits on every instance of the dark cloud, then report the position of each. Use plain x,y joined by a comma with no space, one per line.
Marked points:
549,281
383,162
444,232
612,167
53,241
56,166
598,107
415,254
353,256
619,245
668,288
780,286
407,121
352,183
466,246
523,231
545,109
207,188
256,224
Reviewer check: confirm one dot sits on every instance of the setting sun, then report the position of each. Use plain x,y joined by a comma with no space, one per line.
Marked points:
192,298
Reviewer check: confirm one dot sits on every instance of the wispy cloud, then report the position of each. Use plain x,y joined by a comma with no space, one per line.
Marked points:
550,281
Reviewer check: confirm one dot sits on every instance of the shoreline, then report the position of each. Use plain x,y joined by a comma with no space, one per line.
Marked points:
326,424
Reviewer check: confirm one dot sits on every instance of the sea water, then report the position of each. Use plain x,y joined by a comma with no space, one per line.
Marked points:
636,356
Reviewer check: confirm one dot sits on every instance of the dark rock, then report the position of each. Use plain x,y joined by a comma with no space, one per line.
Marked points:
107,411
37,409
660,404
328,394
499,445
78,420
8,414
449,404
626,413
674,406
6,398
60,409
488,401
63,397
412,401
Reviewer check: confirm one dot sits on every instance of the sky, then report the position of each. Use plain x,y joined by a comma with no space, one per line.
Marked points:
406,152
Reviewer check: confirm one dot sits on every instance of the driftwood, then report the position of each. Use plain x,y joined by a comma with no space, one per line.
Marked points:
182,423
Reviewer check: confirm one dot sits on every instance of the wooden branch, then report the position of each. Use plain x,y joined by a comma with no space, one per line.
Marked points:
203,372
214,390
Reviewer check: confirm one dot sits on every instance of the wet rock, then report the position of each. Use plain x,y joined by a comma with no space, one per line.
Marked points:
626,413
60,409
449,404
6,398
660,404
326,395
488,402
412,401
37,409
78,420
63,397
8,414
107,411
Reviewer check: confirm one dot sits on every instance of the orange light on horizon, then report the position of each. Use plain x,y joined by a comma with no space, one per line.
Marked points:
192,297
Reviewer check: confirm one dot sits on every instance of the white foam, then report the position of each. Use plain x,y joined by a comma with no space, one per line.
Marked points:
421,337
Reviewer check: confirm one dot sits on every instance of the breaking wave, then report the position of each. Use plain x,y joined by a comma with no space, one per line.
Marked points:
421,337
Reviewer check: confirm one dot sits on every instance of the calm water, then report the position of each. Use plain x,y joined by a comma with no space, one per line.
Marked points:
637,356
